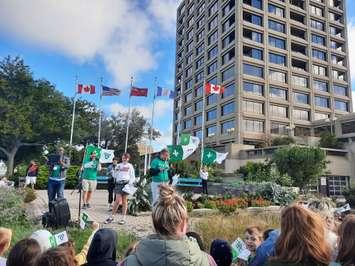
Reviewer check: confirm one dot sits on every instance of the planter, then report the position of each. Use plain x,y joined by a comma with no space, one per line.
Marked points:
269,209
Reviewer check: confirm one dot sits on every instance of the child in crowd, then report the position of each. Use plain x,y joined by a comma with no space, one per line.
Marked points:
221,252
102,251
60,256
253,237
302,240
24,253
346,251
5,241
170,245
31,174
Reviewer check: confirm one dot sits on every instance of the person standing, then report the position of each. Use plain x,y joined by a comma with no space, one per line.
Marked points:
204,178
89,178
111,182
124,175
31,174
159,168
57,175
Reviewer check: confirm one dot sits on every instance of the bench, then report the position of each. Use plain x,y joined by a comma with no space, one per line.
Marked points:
101,179
189,182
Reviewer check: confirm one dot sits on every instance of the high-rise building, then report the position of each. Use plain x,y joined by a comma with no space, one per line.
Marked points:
283,63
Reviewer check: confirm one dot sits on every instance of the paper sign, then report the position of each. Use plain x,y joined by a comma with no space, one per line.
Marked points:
84,218
175,180
240,250
61,238
344,208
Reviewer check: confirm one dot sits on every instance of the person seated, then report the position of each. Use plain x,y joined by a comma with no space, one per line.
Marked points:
5,241
221,252
266,249
302,240
346,246
24,253
170,245
266,233
253,237
59,256
102,250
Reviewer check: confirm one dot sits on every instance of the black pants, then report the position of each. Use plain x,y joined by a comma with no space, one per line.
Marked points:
204,186
110,188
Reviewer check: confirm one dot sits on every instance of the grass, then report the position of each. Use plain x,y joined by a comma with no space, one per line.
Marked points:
232,227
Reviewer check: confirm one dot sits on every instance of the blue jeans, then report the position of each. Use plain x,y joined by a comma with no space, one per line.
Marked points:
55,189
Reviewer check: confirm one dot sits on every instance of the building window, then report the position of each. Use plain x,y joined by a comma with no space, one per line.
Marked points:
321,101
317,24
253,88
228,7
227,57
348,127
228,74
341,105
254,3
253,107
228,128
277,76
200,62
188,97
213,9
278,111
188,110
188,72
319,54
200,49
213,52
300,98
228,24
277,11
337,74
278,93
316,39
187,123
279,129
320,116
253,52
299,81
190,34
316,11
211,99
201,23
319,70
200,35
227,109
337,185
211,131
302,131
212,114
199,76
212,68
253,125
300,114
228,40
253,70
277,42
277,59
198,134
253,35
213,38
340,90
254,19
188,84
228,90
189,59
198,105
212,80
199,91
213,23
277,26
198,120
320,85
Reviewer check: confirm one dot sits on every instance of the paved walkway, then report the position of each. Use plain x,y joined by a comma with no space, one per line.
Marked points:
141,225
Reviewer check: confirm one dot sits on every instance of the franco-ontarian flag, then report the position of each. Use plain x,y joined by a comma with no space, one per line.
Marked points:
180,152
210,156
107,156
187,139
90,149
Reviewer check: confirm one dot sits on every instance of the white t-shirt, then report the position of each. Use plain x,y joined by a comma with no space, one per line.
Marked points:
204,175
124,172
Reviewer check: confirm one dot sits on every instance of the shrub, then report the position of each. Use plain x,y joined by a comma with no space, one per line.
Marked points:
280,141
189,206
350,196
259,202
229,206
140,200
11,206
328,140
29,195
209,204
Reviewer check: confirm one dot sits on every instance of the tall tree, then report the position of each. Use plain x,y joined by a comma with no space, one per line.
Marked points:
303,164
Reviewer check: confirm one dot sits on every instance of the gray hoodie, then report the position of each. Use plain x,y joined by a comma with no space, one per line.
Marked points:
154,250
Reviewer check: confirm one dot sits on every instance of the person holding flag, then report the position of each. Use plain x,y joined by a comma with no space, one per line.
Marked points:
204,178
89,175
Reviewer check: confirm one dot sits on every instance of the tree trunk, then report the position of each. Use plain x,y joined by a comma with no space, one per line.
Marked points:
11,161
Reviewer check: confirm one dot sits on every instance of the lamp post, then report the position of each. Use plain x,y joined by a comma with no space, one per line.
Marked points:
331,121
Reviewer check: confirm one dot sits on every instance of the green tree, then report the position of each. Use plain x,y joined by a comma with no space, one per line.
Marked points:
280,141
303,164
328,140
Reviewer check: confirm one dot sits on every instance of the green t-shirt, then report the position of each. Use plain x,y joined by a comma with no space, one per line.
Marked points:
163,176
90,170
56,171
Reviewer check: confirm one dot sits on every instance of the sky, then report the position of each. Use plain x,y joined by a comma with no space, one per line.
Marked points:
109,39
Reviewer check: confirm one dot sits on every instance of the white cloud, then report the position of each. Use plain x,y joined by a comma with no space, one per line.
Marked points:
119,32
164,140
162,108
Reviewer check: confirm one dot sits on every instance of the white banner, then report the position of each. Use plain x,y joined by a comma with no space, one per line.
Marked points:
107,156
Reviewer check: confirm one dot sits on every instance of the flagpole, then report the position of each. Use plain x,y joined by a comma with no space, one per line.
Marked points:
100,117
73,114
152,124
203,120
179,116
128,115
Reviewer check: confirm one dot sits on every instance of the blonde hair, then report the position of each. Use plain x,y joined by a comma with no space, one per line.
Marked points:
5,239
168,212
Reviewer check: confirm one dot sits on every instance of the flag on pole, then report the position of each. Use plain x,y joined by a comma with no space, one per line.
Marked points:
172,94
139,92
185,138
214,89
107,91
182,151
88,150
162,91
107,156
211,156
86,89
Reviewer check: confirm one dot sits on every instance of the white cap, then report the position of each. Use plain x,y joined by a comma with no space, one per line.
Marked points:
45,239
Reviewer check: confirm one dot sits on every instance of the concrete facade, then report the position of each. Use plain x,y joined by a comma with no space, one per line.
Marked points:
284,65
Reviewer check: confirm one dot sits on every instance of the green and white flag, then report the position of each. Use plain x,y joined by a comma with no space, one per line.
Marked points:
107,156
88,150
210,156
84,218
185,139
180,152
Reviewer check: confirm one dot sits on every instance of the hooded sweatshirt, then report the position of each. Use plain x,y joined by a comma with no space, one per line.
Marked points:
102,251
157,251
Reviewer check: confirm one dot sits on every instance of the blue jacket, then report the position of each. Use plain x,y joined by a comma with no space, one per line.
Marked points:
265,250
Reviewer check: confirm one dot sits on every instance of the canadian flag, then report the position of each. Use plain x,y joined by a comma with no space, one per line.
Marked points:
87,89
214,89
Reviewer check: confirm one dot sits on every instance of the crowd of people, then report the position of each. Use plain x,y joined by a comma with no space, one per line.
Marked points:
308,235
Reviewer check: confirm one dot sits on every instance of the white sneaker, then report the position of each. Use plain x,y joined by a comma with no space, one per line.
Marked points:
122,222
